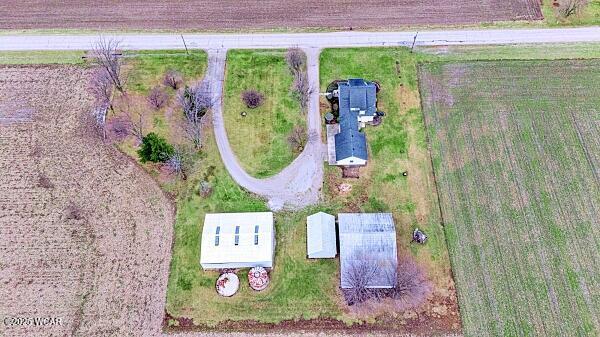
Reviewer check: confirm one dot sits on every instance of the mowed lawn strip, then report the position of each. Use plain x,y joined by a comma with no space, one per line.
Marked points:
42,57
148,67
513,52
514,146
259,139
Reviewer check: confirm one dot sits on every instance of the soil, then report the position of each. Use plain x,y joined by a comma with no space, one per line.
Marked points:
86,233
216,15
418,323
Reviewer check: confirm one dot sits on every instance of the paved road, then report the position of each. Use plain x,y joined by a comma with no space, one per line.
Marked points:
315,40
298,184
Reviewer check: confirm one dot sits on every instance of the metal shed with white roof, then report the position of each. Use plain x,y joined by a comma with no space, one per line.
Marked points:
237,240
320,236
368,238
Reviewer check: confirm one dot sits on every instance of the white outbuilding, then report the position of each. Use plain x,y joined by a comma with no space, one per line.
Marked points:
320,236
237,240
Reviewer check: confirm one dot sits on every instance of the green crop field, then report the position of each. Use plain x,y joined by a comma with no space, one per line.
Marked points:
516,155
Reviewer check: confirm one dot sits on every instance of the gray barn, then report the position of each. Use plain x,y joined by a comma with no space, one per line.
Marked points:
368,238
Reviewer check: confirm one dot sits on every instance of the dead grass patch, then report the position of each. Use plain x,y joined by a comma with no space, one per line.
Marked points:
408,99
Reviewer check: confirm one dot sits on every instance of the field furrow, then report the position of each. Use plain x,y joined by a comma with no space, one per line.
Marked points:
515,152
255,14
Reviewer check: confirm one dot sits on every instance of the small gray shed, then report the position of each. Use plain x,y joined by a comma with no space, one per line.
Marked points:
320,236
368,238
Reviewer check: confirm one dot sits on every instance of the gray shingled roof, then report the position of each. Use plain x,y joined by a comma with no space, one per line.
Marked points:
350,143
355,96
371,238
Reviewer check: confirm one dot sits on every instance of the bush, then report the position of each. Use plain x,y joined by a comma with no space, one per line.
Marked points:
359,274
178,163
155,149
302,89
567,8
157,97
204,189
412,287
298,138
173,79
295,59
195,102
252,98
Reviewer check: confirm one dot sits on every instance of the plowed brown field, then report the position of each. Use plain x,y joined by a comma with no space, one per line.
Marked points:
257,14
85,234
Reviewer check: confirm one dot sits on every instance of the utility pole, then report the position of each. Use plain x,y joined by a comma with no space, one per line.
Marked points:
414,41
184,44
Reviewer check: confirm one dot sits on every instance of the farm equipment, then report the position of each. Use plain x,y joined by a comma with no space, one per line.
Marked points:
419,236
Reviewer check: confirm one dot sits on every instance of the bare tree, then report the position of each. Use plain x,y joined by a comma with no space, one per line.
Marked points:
173,79
157,97
178,163
567,8
359,274
195,102
295,59
298,138
137,120
106,56
101,87
302,89
119,128
412,287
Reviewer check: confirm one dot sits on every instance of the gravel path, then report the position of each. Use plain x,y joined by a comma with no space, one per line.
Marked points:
298,184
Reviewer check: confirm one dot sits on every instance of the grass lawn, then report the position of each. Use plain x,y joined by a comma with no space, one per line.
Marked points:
308,289
41,57
147,68
590,16
515,148
303,289
513,52
397,145
299,288
259,140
